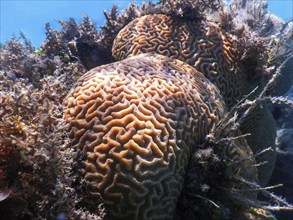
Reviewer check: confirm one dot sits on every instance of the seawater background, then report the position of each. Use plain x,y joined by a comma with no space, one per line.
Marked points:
30,16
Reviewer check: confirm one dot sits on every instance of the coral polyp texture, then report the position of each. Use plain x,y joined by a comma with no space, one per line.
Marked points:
209,49
136,122
200,43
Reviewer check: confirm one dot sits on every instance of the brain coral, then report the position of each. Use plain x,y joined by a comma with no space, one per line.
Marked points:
135,122
202,44
205,46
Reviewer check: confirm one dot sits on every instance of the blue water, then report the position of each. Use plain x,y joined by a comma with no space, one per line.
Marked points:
31,16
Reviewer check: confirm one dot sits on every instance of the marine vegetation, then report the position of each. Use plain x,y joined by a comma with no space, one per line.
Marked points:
164,112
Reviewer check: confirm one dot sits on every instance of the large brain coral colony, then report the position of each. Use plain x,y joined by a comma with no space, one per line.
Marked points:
136,122
212,51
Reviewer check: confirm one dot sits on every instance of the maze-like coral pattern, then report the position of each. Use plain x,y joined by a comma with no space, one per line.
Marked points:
205,46
136,122
201,44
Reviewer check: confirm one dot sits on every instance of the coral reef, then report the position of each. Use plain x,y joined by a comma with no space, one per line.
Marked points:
43,173
200,43
212,51
28,127
32,89
136,123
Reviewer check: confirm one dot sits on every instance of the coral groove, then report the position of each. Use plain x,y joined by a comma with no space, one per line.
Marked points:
201,44
136,122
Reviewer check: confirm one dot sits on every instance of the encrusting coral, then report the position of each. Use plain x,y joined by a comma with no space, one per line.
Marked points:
44,174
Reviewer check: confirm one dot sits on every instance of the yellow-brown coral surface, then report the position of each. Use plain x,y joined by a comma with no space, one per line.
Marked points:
209,49
136,122
202,44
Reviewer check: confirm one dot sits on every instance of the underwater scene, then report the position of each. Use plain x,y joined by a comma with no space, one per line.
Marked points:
138,110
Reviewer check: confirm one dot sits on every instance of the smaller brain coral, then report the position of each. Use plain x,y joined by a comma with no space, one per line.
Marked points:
201,44
136,122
